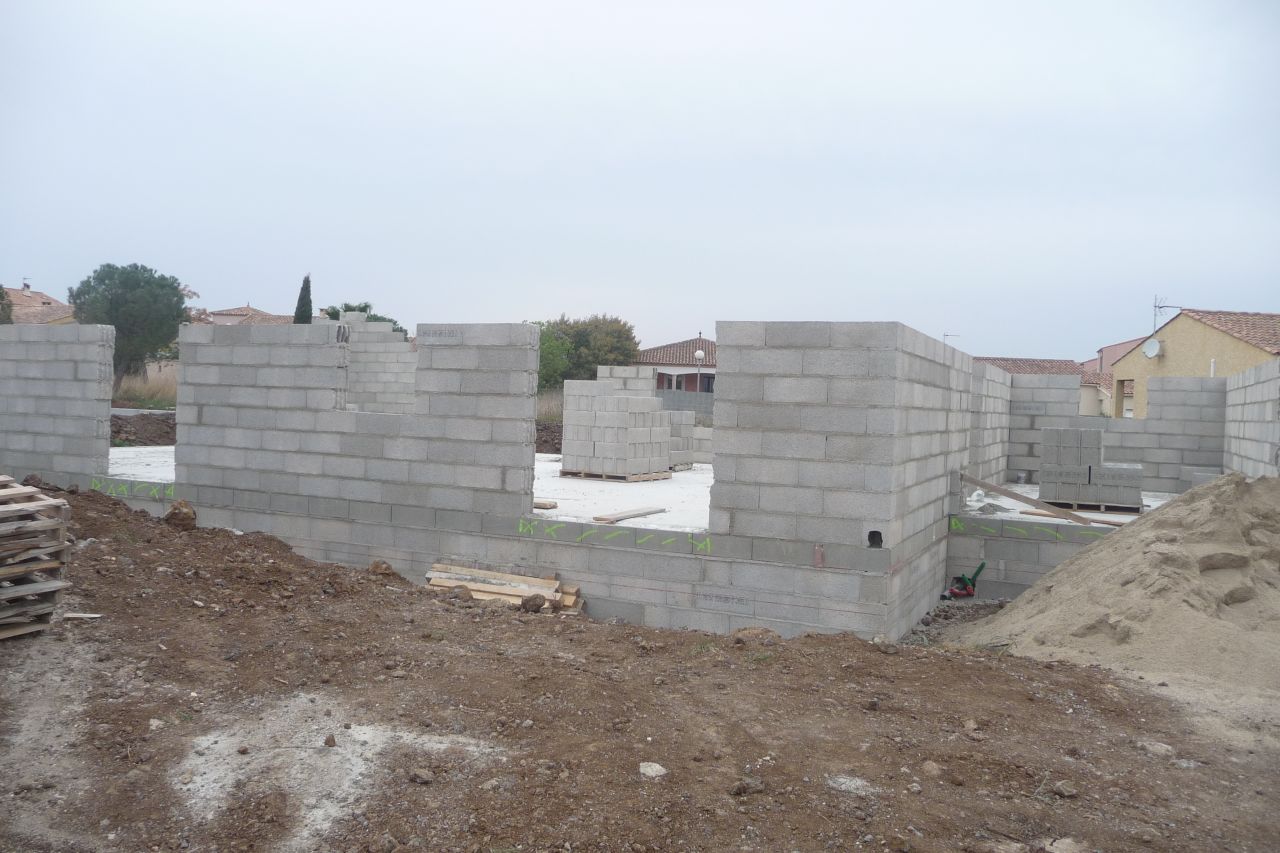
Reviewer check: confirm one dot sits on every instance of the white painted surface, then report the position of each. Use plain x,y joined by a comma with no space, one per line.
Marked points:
1009,508
146,464
686,497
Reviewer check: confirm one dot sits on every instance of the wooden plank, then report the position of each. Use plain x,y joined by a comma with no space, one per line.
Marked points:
25,610
1014,496
537,504
15,527
17,571
30,554
18,590
445,568
15,630
517,592
12,510
615,517
5,478
10,492
1040,514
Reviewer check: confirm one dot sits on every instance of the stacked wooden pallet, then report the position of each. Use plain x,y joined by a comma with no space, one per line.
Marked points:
33,546
486,585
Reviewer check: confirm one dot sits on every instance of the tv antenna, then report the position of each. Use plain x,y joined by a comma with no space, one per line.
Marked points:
1158,307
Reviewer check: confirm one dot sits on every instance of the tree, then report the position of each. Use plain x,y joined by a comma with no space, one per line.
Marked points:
595,340
334,311
302,314
553,357
6,307
144,306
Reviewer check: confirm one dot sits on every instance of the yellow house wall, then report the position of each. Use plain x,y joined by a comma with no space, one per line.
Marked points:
1187,348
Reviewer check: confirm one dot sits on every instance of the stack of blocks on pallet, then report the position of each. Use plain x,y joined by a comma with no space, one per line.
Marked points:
1072,471
682,428
608,434
690,443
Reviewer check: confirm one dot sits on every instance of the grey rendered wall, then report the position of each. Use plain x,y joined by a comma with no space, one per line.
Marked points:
1182,435
1253,421
55,401
700,403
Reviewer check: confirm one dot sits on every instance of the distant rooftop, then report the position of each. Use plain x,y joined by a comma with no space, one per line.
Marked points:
679,354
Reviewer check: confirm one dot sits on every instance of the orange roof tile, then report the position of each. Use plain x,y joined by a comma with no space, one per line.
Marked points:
1260,330
679,354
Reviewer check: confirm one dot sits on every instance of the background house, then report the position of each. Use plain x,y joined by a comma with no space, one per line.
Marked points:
32,306
1198,343
678,368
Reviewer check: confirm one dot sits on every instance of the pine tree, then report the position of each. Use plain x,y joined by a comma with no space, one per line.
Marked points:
302,314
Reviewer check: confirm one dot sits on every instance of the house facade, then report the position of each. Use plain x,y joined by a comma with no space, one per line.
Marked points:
1198,343
679,367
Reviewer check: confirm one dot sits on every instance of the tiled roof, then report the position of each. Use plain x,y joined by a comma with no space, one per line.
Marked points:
243,311
1260,330
1098,378
679,354
32,306
1049,366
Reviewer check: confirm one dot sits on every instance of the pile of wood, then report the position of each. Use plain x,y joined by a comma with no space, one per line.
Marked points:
33,548
486,585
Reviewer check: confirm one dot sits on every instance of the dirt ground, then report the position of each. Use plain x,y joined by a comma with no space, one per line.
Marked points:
549,437
235,696
158,430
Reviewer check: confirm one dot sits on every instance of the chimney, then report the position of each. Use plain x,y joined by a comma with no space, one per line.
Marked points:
26,288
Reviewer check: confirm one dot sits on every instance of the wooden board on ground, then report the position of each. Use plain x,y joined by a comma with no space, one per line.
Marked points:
537,504
618,478
444,570
1042,514
615,517
516,592
1012,495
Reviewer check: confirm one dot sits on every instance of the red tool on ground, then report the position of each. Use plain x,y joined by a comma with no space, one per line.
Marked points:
964,586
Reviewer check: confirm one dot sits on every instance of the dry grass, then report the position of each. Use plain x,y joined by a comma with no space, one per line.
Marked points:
157,390
550,407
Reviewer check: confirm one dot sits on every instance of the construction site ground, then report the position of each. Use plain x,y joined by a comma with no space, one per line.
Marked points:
235,696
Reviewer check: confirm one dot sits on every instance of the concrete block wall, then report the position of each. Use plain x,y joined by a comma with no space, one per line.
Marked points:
1185,436
934,386
382,367
1017,553
607,432
701,403
1072,470
989,393
1253,421
55,401
633,380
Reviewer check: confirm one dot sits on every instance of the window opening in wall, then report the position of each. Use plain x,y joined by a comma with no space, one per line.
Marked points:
874,539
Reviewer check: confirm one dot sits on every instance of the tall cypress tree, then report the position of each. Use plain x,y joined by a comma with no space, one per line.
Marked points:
302,314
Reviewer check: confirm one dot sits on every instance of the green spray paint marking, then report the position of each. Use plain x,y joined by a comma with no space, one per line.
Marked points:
703,547
1093,533
1017,530
586,535
614,534
1052,532
957,525
644,539
668,541
986,529
528,526
550,529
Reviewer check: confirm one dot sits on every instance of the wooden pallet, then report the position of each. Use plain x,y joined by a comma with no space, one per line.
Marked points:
486,585
33,549
1084,507
618,478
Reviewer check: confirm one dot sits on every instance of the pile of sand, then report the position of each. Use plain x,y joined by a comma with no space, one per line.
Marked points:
1193,588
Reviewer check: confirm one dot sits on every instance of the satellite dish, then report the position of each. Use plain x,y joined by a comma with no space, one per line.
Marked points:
1151,348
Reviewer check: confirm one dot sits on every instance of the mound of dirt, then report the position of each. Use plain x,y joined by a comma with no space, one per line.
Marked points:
549,435
149,430
1191,589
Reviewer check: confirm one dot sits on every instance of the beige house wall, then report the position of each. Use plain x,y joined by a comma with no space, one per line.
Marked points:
1187,348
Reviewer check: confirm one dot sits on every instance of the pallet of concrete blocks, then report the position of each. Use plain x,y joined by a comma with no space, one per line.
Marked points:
682,427
33,547
608,436
1073,472
487,585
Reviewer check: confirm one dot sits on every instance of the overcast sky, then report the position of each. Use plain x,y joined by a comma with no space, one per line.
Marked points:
1025,175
